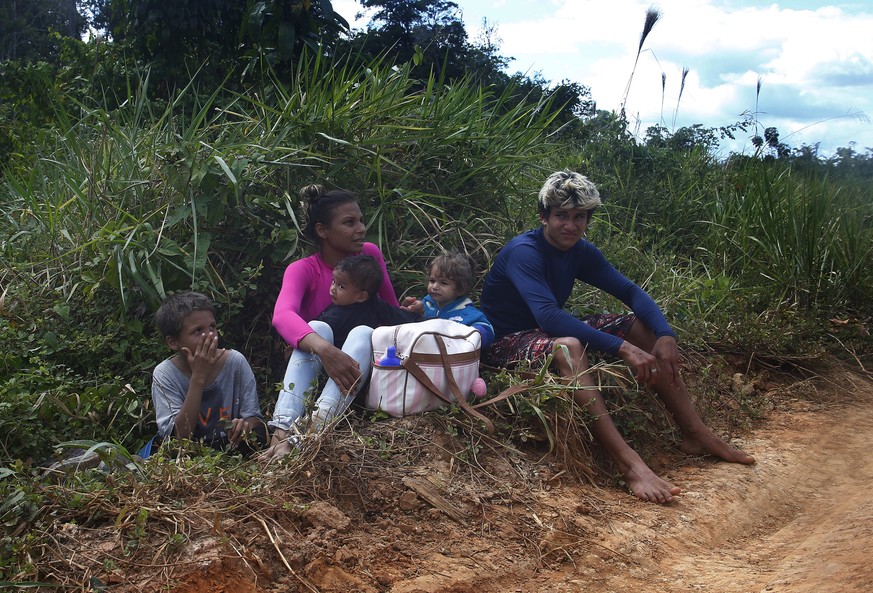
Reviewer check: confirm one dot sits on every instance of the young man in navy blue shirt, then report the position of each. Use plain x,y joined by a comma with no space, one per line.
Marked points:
523,297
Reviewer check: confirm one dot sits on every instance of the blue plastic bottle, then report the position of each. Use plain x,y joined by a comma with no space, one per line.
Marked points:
390,359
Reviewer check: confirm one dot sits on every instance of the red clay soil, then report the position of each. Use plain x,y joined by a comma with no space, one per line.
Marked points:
800,520
489,521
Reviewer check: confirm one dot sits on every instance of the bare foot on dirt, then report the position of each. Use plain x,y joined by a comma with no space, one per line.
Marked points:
275,452
646,485
706,442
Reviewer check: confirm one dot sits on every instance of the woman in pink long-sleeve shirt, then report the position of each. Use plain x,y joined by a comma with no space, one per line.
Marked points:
336,225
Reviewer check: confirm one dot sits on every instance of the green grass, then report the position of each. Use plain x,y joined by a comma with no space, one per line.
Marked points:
799,239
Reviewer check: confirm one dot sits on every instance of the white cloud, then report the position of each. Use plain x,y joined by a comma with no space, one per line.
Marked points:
814,63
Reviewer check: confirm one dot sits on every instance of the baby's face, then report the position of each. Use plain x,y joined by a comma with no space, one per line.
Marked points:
345,292
441,289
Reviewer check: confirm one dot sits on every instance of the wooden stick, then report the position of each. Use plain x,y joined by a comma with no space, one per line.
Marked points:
429,492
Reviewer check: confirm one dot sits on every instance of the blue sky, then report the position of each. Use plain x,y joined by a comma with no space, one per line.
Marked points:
814,60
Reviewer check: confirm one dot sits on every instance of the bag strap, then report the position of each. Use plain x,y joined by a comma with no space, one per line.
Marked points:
460,398
436,335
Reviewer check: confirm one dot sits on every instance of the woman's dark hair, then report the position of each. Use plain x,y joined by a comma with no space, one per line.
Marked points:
320,205
457,267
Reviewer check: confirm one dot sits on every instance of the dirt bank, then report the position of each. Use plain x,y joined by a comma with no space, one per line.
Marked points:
484,521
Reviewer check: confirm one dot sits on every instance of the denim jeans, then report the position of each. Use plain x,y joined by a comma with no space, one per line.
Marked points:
301,379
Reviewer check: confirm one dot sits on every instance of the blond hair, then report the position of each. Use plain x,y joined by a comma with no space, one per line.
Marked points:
567,189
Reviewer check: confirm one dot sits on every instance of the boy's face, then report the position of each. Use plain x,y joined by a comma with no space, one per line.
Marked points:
345,292
195,326
441,289
564,227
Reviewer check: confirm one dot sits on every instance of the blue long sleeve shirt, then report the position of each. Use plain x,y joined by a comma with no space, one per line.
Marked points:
531,281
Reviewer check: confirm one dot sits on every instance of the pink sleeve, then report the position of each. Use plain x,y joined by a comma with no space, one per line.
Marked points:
386,291
305,293
299,298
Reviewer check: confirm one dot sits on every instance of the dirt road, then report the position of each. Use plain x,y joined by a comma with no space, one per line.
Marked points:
800,520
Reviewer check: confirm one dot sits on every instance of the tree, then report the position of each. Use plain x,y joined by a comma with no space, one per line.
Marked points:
178,37
429,33
26,27
572,99
774,146
278,29
848,162
484,62
684,139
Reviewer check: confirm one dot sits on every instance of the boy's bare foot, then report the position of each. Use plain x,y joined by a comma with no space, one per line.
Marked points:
705,442
646,485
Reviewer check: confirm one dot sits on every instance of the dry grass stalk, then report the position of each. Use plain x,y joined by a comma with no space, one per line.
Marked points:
679,98
653,15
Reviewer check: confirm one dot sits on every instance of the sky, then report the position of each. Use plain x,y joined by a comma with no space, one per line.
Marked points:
814,61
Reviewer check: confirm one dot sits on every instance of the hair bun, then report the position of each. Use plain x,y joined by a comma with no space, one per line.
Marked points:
312,193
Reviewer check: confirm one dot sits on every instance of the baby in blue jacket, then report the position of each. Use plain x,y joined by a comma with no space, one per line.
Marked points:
450,279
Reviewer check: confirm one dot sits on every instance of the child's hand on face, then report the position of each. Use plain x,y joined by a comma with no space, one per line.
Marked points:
205,356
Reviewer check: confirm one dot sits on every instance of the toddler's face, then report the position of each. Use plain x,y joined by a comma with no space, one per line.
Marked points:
441,289
345,292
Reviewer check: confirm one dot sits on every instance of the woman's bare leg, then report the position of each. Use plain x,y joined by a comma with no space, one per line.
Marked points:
641,480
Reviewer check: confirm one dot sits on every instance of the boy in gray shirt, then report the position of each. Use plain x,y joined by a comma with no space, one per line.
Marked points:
203,392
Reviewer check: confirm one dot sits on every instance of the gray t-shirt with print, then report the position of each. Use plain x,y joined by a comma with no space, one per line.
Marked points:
233,394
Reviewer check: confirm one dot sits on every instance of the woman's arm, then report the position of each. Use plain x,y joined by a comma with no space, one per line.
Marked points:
299,279
338,365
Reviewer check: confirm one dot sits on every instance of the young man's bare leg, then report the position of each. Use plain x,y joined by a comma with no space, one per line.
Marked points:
697,438
641,480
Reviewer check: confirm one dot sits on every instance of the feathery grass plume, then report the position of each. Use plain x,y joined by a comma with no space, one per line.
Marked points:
858,116
653,15
663,92
757,139
681,90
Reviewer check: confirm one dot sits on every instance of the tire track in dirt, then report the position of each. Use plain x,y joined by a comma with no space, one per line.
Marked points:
800,520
